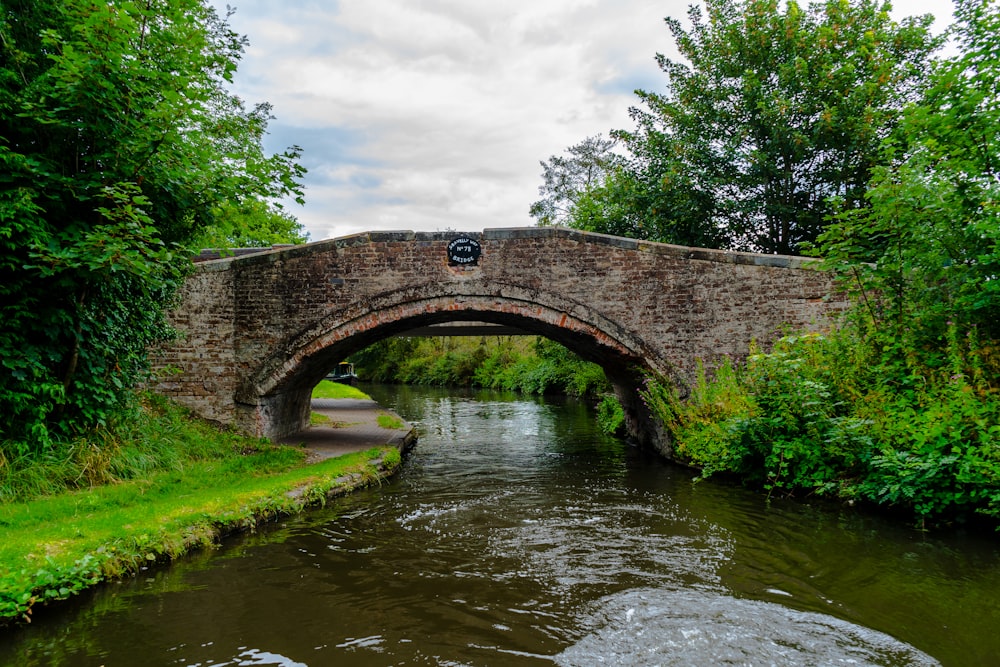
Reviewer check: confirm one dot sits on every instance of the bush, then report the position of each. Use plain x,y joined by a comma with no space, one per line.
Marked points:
611,416
821,415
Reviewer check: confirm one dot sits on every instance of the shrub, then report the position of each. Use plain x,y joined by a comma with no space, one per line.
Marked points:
610,416
829,415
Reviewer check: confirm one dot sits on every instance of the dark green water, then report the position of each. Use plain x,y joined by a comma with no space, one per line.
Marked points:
517,534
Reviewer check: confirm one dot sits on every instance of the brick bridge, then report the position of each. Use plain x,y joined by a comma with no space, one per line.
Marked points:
260,330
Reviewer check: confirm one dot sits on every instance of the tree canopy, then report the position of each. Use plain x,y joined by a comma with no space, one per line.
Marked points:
252,223
773,110
926,247
119,143
566,180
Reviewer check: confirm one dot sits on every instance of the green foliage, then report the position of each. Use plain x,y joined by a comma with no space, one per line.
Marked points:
70,349
526,364
118,144
924,257
940,456
548,367
567,180
634,201
900,406
704,427
380,362
774,109
611,416
22,589
251,224
821,415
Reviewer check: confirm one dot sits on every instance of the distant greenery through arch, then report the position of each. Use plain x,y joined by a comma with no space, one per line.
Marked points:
527,364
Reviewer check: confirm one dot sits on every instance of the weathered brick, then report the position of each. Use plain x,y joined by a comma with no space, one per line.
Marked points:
261,329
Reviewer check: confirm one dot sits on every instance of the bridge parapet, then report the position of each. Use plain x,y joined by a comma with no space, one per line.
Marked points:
286,251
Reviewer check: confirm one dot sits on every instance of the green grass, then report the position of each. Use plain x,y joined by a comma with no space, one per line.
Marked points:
55,546
391,422
317,419
165,484
328,389
152,436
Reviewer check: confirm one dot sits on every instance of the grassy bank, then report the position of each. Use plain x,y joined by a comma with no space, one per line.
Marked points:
156,487
327,389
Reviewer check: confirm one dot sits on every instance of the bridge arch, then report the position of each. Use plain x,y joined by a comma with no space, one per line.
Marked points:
259,330
281,386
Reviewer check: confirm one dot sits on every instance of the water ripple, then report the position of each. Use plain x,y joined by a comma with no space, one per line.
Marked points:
703,626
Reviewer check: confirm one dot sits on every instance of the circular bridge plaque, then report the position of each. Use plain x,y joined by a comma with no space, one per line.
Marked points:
464,251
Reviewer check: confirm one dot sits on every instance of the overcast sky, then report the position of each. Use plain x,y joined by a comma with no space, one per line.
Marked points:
431,115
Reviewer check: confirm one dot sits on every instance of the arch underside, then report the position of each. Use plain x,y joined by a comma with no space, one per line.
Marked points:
276,396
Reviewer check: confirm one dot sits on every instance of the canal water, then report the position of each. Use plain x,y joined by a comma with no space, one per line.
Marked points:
518,534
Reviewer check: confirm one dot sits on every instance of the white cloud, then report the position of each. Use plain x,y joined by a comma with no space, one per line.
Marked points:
434,114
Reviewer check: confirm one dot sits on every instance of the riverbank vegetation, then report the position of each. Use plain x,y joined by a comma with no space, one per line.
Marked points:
899,405
153,486
526,364
829,415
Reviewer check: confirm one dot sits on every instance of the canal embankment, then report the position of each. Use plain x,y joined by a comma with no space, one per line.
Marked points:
59,544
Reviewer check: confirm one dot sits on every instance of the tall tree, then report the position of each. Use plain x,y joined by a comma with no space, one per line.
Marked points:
773,110
565,179
118,142
926,254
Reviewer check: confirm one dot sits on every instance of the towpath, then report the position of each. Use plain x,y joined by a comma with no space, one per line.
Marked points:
352,427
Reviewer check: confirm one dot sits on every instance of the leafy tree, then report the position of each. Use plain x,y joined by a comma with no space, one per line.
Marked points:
253,223
925,256
565,180
632,202
899,406
774,109
118,143
596,189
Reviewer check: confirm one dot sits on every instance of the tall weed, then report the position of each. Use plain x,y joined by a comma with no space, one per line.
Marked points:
834,415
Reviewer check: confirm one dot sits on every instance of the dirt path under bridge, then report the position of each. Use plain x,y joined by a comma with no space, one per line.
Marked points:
352,427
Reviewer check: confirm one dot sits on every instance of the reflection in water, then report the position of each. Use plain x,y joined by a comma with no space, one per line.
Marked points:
519,535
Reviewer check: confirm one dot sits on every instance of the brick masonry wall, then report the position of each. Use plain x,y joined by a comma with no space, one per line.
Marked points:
198,369
262,329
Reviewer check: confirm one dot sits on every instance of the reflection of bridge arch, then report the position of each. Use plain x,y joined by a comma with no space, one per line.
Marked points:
262,329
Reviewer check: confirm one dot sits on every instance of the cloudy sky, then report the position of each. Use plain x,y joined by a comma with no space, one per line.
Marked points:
434,114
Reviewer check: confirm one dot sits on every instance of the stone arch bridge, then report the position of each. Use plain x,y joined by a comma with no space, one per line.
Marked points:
258,331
